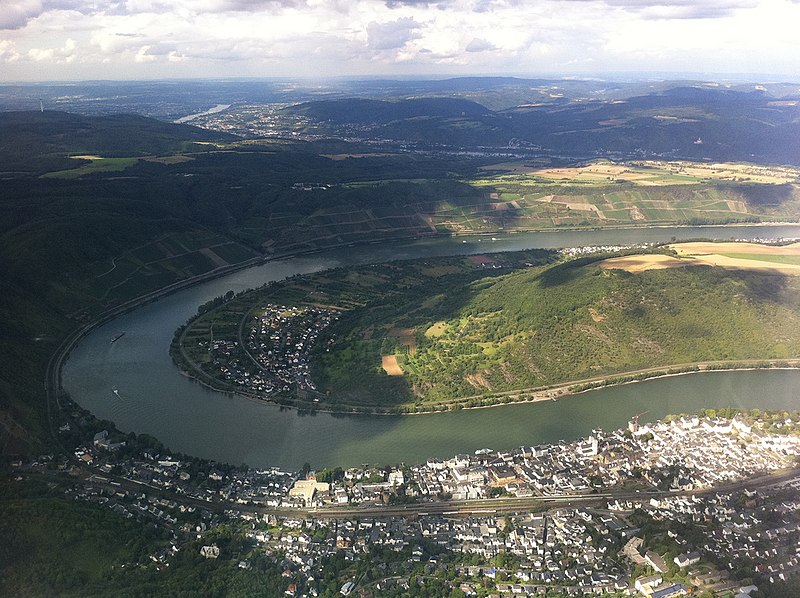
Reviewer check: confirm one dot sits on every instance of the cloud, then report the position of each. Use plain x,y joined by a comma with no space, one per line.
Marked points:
479,45
400,3
17,13
255,6
477,6
681,9
64,55
393,34
144,55
118,38
8,51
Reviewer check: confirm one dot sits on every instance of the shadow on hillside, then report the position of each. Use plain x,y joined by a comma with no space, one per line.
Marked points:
761,196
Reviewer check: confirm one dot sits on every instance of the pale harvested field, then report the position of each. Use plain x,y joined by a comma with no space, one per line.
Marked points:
390,365
733,263
437,330
716,248
753,173
655,172
640,263
711,254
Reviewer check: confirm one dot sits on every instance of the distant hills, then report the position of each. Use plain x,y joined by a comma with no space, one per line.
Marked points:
32,140
689,122
384,111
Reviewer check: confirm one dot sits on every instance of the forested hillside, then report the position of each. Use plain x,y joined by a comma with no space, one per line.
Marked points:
562,323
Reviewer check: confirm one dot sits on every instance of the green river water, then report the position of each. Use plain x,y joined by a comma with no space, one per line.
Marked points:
153,397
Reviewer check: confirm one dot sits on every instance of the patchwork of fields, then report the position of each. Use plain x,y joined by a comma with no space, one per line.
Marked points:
500,197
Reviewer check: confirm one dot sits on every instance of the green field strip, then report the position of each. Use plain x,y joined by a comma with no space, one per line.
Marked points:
774,259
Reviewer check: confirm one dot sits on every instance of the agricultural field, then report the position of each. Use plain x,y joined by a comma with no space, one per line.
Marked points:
784,259
649,173
96,165
160,262
364,196
605,193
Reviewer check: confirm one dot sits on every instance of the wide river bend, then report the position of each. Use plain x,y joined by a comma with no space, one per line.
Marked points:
153,397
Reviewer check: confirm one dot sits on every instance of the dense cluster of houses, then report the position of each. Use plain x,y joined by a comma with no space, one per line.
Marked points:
689,453
277,350
575,551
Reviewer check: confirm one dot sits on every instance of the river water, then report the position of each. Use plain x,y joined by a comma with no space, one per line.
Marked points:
153,397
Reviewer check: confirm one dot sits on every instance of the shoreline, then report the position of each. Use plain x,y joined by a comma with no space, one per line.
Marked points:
553,393
53,371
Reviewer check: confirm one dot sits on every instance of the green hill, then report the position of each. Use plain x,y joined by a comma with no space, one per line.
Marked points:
36,142
684,122
547,326
432,333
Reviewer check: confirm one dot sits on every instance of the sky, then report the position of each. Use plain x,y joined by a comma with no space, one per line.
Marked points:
46,40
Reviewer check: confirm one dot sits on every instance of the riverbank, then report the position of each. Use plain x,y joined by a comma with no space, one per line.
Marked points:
189,417
569,355
510,398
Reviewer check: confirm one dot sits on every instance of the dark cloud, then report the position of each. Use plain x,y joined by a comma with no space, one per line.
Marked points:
392,35
15,15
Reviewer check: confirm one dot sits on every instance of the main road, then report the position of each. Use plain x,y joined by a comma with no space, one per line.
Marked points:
490,506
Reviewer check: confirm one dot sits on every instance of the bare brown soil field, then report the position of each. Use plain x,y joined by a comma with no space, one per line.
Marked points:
390,365
405,336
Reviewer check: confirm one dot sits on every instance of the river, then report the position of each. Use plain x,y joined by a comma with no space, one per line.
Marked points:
214,110
153,397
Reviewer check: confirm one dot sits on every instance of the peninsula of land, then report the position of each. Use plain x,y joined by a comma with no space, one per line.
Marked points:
465,332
